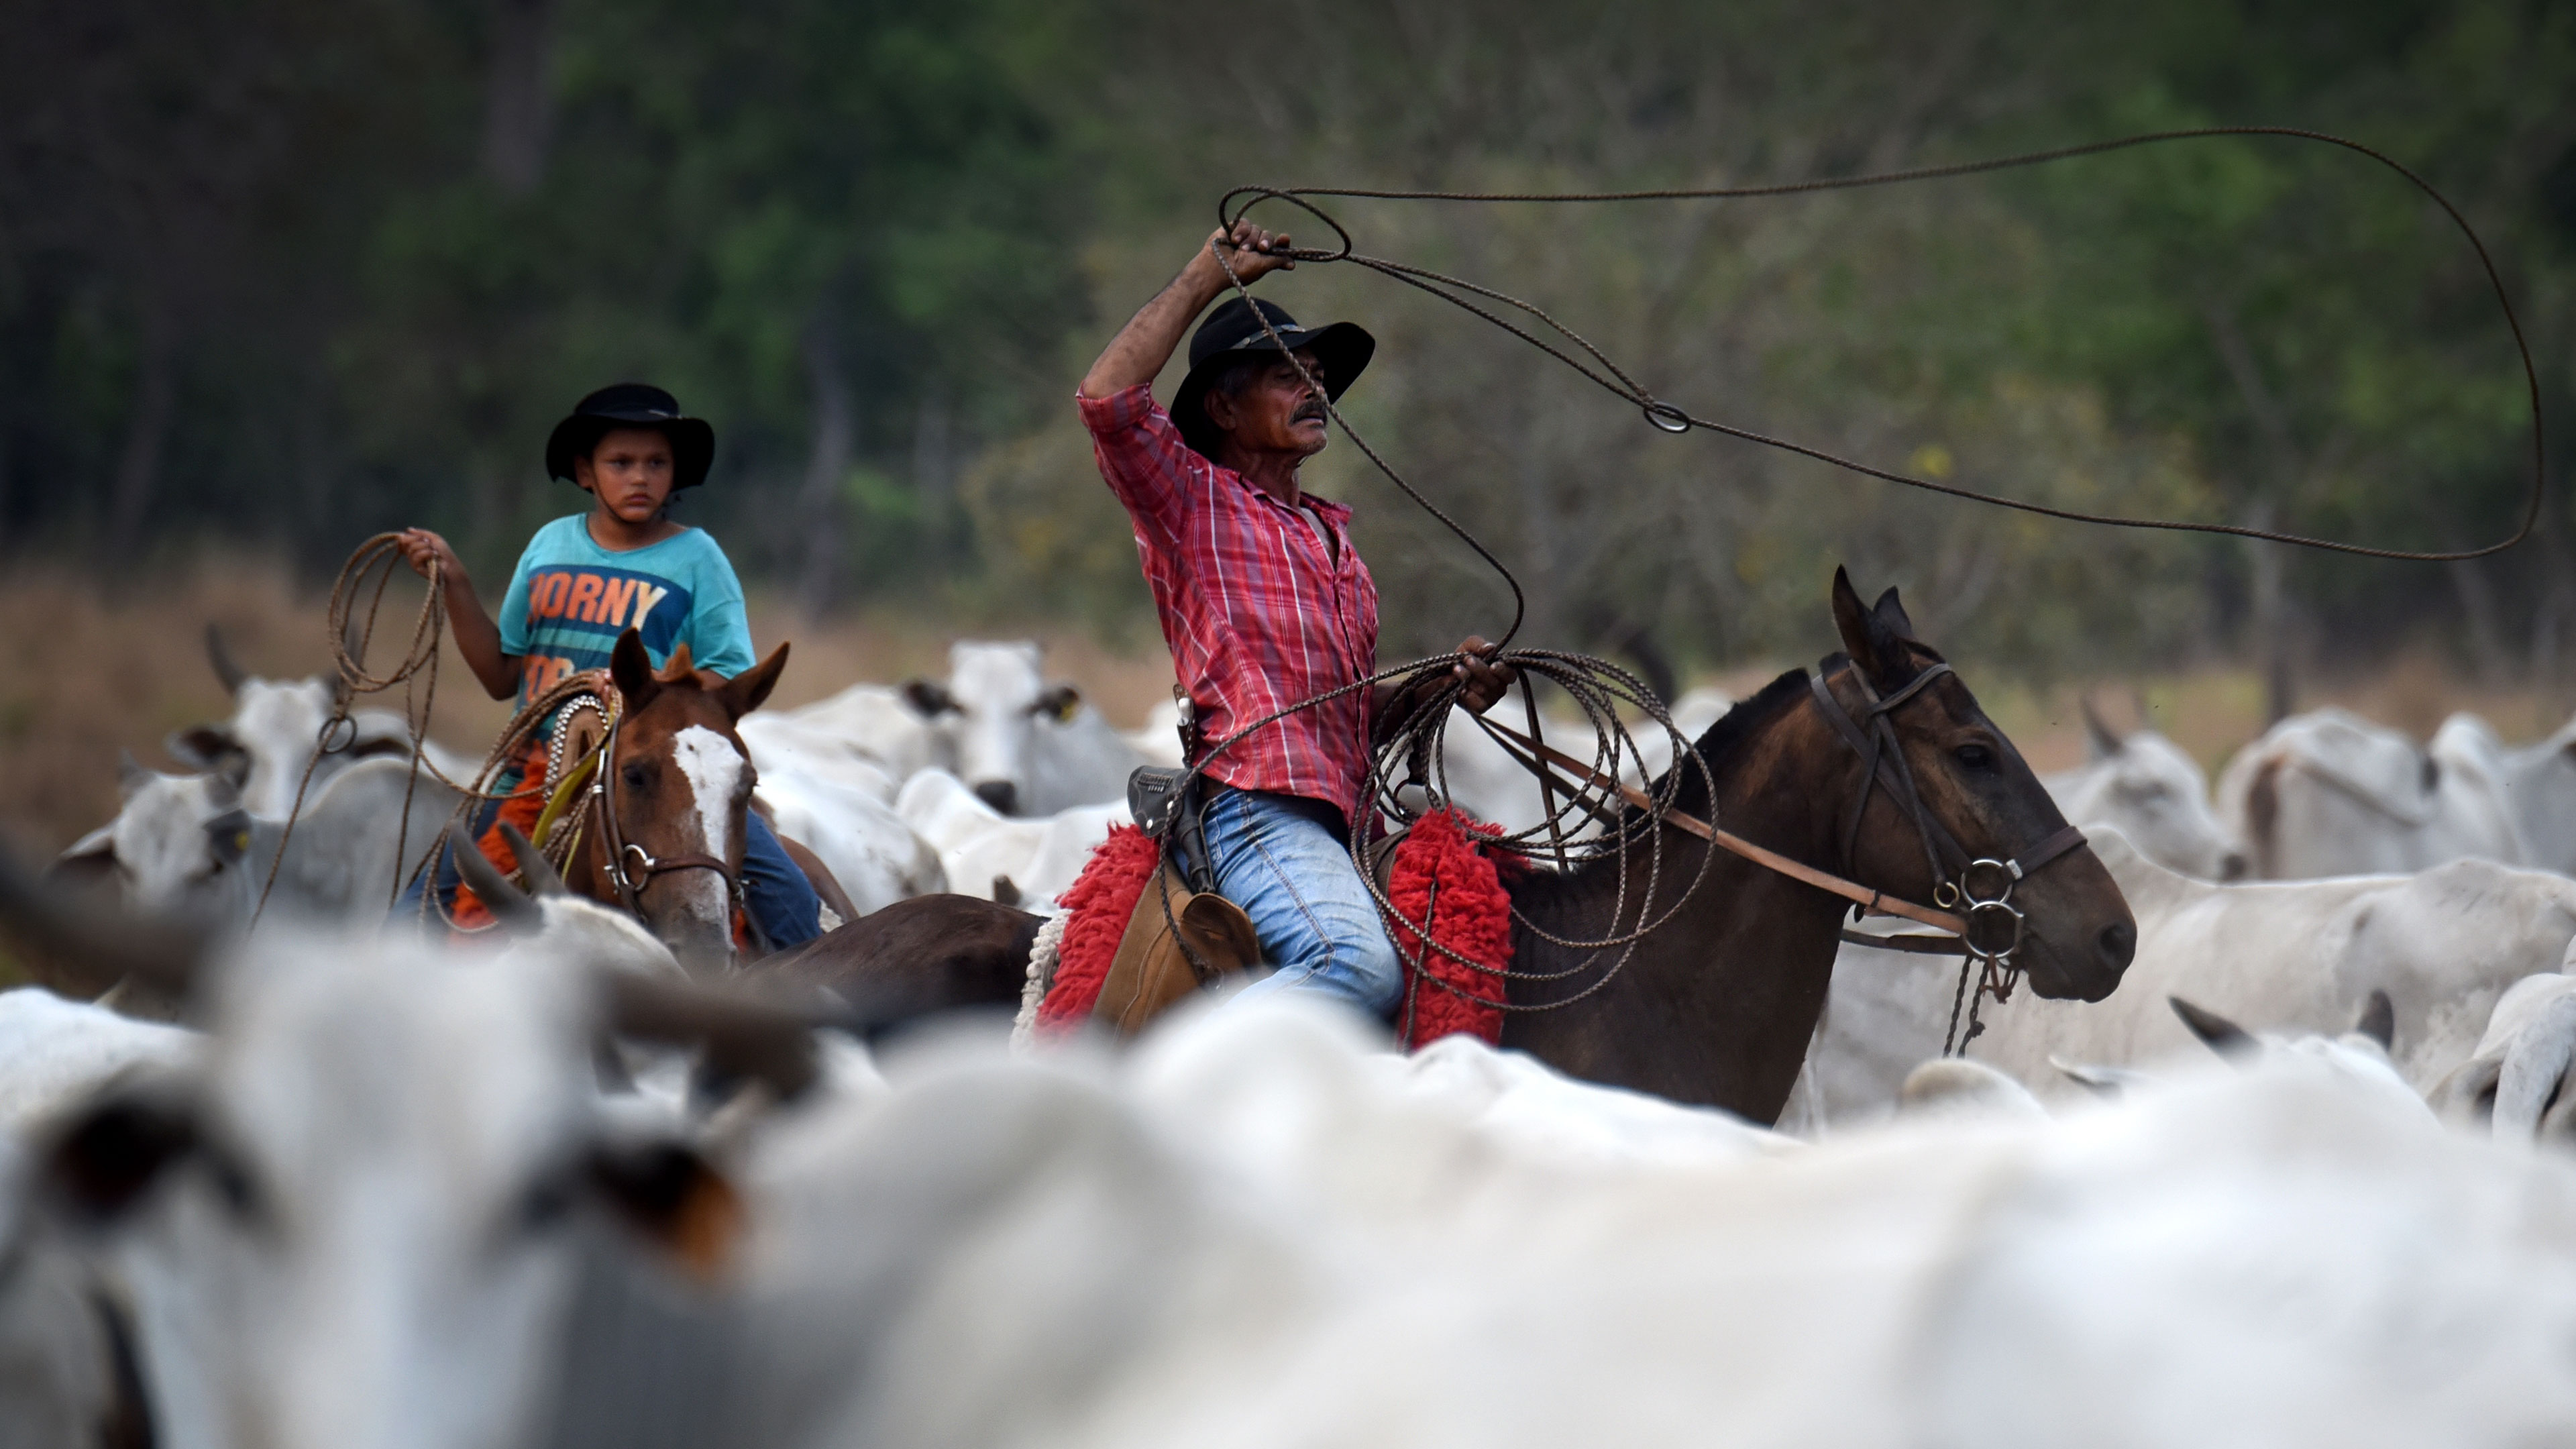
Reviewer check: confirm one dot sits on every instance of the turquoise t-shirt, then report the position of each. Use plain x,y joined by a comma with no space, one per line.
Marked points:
570,599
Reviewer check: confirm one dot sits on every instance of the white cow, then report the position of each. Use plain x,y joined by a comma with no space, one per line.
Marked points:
2144,786
1024,746
1257,1238
2276,955
276,726
2516,1084
1494,787
2329,793
860,838
185,845
978,845
365,1215
797,744
2536,782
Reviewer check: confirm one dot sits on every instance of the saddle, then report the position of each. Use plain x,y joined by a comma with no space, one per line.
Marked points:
1182,937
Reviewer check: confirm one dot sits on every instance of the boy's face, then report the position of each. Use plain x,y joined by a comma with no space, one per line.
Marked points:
630,472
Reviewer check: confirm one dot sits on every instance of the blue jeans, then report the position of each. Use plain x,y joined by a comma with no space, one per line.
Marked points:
775,894
1287,862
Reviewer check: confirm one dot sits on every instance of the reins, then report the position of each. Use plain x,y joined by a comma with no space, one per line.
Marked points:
630,867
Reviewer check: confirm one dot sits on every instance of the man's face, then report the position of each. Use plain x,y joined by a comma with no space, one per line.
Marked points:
1278,413
630,472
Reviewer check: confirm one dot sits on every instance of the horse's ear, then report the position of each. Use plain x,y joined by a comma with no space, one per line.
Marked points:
743,693
679,666
1866,637
1890,611
632,668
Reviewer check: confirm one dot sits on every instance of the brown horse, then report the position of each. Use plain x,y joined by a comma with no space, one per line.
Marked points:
1717,1004
662,829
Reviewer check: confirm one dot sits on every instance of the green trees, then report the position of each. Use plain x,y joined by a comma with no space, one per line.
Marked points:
293,272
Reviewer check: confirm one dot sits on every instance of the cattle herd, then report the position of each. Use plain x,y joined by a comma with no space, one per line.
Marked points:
2308,1175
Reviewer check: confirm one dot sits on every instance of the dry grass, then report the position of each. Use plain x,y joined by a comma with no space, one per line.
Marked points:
91,672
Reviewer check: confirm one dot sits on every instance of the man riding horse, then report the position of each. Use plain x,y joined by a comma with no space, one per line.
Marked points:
1264,603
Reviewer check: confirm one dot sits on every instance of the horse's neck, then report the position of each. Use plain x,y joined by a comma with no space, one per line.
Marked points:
1716,1006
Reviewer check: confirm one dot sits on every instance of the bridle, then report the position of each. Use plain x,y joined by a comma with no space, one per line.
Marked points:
1980,889
630,866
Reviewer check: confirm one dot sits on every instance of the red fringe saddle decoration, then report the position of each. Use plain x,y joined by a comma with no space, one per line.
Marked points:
1100,902
1439,878
1443,883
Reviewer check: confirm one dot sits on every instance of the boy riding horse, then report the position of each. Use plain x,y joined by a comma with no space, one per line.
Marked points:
585,579
1264,603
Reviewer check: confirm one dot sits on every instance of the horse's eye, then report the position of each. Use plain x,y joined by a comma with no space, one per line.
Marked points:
1976,757
633,775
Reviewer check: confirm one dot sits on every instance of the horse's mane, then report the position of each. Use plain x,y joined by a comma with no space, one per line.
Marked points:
1718,745
1550,894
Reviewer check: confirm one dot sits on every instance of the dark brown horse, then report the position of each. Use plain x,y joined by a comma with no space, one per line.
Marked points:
663,835
1716,1005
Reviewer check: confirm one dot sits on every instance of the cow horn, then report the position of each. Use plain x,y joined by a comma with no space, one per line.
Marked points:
2222,1036
511,907
2099,737
739,1035
218,656
540,873
96,946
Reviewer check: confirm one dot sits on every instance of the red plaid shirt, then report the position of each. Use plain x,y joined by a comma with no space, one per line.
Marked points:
1258,615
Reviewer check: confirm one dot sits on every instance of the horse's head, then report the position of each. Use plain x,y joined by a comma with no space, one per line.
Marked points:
1976,790
681,786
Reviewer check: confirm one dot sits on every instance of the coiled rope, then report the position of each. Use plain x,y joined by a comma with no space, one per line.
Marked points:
416,674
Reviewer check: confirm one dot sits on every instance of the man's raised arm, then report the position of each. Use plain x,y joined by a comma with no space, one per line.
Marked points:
1141,347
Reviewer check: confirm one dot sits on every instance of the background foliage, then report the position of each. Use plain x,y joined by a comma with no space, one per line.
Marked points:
284,272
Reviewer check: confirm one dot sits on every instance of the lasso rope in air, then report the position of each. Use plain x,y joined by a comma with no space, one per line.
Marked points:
1430,689
1670,418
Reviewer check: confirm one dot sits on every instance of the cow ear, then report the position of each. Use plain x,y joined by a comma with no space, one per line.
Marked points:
2378,1020
2222,1036
199,747
743,693
226,779
929,698
2100,740
1058,704
103,1162
632,669
676,1198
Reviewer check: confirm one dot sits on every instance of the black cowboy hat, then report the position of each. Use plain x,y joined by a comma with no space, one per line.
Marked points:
633,405
1232,333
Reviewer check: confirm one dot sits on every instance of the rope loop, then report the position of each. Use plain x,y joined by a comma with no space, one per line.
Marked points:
1260,194
1666,417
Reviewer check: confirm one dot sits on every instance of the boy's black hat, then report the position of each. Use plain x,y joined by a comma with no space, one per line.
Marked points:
1232,333
633,405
